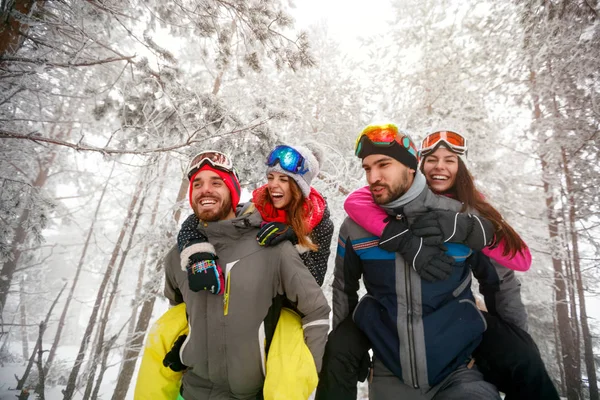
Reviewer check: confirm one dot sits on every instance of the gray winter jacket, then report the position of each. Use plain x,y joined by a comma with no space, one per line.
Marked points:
225,346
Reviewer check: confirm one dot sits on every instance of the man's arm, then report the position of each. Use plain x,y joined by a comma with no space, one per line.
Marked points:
500,288
301,288
346,276
171,263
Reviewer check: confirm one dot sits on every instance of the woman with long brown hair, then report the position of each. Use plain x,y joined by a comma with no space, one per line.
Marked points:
292,209
443,156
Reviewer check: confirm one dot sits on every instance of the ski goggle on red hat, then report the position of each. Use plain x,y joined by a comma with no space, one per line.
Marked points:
384,136
289,159
454,141
215,159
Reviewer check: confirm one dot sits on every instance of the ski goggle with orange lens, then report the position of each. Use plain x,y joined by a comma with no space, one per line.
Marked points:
289,159
215,159
384,136
454,141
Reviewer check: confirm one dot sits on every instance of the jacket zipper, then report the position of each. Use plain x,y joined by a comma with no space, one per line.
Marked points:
411,334
226,295
228,268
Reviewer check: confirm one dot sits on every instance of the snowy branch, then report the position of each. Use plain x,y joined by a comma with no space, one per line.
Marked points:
104,150
66,65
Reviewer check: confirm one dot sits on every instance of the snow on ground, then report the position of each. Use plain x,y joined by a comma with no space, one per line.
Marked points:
65,357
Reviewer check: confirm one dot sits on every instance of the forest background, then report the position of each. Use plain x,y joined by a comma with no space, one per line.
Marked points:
103,102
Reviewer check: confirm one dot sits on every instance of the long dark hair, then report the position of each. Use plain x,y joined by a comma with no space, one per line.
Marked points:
465,191
296,214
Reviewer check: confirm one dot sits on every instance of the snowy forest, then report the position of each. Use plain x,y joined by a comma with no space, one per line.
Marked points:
103,102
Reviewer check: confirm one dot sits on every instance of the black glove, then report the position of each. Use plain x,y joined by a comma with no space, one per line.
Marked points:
273,233
172,359
205,273
471,230
364,367
428,228
429,262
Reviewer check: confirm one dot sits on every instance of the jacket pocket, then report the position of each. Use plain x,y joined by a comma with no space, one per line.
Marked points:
374,320
451,333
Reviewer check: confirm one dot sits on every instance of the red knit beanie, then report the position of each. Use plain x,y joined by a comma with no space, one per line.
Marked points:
228,178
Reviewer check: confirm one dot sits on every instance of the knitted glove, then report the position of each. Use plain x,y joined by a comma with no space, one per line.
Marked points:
273,233
189,233
471,230
204,273
429,262
172,359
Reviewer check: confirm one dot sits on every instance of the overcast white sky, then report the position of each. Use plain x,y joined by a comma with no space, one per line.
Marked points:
347,20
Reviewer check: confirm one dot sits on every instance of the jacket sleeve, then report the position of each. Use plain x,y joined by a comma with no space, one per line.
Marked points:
361,208
171,263
316,261
520,262
346,277
300,287
500,288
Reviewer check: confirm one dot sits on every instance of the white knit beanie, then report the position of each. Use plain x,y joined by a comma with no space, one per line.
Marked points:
312,157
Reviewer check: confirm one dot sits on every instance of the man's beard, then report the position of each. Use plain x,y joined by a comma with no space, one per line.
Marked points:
212,216
392,193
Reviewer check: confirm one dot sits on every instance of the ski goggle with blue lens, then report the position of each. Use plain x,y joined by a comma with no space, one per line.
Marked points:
384,136
289,159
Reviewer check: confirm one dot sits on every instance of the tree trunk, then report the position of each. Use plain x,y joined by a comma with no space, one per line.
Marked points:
41,387
134,343
23,307
11,26
570,280
63,316
89,371
133,349
70,389
10,266
142,268
183,188
103,367
115,286
21,382
572,380
588,348
558,351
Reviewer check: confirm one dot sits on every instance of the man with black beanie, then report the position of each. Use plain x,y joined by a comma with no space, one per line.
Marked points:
419,315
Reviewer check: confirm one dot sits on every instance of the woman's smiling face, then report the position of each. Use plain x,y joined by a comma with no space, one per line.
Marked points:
440,168
278,186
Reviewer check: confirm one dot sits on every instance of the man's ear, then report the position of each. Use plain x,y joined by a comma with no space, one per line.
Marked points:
413,171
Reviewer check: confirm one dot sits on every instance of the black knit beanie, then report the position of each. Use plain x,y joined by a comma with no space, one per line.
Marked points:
395,150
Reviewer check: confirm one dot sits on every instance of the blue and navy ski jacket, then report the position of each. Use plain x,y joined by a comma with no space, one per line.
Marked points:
421,331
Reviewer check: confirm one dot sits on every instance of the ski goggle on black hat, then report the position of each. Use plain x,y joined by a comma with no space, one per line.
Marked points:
387,140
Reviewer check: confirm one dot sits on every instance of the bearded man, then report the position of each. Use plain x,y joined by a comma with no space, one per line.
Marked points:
227,298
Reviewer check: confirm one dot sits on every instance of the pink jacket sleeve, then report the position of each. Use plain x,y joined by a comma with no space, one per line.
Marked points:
520,262
362,209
